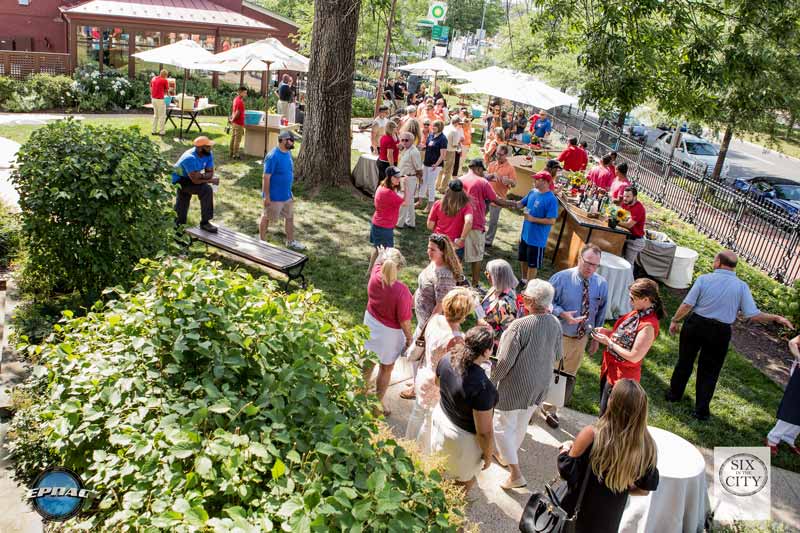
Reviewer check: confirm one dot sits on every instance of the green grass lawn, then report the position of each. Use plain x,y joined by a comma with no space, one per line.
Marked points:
335,226
790,146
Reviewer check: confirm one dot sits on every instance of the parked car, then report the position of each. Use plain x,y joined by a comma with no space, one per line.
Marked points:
780,193
691,151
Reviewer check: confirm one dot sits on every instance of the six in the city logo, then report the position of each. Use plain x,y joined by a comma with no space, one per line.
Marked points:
57,494
743,474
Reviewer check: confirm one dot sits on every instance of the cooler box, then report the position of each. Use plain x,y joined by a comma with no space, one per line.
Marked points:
167,100
526,138
274,121
253,118
477,111
184,101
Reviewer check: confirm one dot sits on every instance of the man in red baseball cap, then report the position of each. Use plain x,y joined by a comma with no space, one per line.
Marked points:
541,211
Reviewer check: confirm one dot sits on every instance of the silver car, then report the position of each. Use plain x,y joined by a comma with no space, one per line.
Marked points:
691,152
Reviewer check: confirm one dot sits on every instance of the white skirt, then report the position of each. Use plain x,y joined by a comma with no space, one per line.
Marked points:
459,448
387,342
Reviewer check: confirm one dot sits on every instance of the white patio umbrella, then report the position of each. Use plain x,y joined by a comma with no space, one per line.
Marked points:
516,87
185,54
261,55
435,66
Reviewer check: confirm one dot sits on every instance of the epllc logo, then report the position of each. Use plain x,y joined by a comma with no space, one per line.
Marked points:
58,493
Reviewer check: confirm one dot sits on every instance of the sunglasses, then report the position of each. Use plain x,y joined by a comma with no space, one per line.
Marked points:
438,238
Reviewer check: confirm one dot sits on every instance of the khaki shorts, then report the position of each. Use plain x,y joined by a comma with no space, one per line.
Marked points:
278,210
474,246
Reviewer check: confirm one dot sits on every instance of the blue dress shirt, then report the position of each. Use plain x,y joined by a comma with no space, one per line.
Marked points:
720,295
568,285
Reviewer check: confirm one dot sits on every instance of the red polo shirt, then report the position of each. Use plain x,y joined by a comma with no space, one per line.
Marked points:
574,158
238,105
158,87
638,215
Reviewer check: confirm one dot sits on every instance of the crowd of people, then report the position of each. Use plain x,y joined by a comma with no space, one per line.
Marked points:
475,392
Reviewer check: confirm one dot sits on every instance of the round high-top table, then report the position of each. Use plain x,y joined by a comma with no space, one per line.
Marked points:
680,504
619,275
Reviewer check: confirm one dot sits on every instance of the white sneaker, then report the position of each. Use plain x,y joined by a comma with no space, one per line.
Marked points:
295,245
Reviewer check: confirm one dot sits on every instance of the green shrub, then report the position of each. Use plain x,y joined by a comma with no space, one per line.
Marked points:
94,201
55,91
205,400
22,101
8,86
93,91
362,107
9,236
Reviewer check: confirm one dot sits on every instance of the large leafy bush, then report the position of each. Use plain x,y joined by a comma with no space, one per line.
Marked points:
362,107
205,400
94,201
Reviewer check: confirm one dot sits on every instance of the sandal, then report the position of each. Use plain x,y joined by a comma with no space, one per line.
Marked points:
514,483
408,394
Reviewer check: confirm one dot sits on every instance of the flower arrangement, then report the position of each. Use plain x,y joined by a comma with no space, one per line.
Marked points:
577,178
622,215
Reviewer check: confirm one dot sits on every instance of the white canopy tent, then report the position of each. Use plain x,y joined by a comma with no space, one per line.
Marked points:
185,54
516,87
435,66
260,56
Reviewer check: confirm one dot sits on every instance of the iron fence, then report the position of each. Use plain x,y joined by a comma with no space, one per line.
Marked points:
764,235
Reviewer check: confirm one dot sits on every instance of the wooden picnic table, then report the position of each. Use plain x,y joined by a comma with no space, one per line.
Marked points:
177,112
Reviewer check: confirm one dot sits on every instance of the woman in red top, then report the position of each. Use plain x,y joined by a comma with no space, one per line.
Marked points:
388,201
387,151
388,317
631,338
452,216
620,183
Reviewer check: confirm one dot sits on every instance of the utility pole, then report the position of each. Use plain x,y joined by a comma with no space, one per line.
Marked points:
384,65
480,33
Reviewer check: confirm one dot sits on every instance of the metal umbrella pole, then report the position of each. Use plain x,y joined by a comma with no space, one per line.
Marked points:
185,74
266,112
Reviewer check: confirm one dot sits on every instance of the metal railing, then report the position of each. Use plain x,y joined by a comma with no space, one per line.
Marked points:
765,236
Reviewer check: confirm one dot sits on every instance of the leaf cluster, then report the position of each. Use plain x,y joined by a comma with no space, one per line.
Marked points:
94,200
205,400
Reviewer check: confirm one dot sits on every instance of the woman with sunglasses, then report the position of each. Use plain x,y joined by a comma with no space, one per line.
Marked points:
387,150
388,201
631,338
500,302
433,284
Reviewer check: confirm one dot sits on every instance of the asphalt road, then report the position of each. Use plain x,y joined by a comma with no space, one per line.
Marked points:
747,159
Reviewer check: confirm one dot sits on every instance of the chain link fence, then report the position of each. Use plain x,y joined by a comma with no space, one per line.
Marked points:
762,234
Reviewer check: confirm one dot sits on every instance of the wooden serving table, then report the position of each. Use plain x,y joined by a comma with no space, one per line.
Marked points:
254,137
525,169
574,228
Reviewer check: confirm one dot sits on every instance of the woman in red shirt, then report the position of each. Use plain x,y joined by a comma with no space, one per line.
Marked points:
387,151
452,216
631,338
388,201
620,183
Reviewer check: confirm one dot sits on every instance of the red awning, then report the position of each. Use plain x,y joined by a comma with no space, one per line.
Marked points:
177,11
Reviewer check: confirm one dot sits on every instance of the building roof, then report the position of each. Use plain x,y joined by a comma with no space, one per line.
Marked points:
187,11
267,12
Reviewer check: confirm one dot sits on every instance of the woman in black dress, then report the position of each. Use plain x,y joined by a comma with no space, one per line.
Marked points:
621,456
788,426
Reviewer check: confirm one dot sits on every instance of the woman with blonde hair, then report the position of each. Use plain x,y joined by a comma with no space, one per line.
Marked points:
388,317
413,127
619,456
433,284
496,138
452,215
442,333
388,151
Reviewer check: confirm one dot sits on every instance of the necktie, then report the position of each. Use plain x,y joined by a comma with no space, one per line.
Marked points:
584,308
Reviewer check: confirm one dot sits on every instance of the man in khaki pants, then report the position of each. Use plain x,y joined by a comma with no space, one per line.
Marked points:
159,86
455,135
580,301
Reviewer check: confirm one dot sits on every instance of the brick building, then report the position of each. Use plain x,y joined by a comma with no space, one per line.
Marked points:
108,32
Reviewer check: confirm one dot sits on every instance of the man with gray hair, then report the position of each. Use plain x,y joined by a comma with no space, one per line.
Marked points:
580,301
455,136
410,165
285,97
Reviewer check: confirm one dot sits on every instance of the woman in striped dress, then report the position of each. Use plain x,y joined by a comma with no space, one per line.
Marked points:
528,351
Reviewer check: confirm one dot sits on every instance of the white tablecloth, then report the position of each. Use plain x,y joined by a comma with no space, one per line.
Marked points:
680,503
619,275
365,174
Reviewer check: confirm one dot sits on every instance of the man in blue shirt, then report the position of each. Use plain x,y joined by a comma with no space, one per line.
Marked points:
543,125
714,300
579,302
194,173
541,211
276,190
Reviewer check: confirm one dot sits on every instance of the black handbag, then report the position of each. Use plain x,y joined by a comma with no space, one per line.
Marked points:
544,514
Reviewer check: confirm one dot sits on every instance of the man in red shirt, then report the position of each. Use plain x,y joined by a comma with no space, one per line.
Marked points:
573,157
158,89
635,224
237,122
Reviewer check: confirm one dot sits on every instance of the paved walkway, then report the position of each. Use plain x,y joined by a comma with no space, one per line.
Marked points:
498,510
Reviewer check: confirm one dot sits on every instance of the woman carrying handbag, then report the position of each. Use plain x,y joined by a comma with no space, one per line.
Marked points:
607,461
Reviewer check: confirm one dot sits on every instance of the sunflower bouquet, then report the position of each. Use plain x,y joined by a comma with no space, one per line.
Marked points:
576,179
616,215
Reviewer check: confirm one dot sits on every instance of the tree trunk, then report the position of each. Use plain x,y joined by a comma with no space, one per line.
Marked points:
621,119
723,151
325,152
790,128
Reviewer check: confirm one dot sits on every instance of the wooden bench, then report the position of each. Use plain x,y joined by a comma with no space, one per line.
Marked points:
285,261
